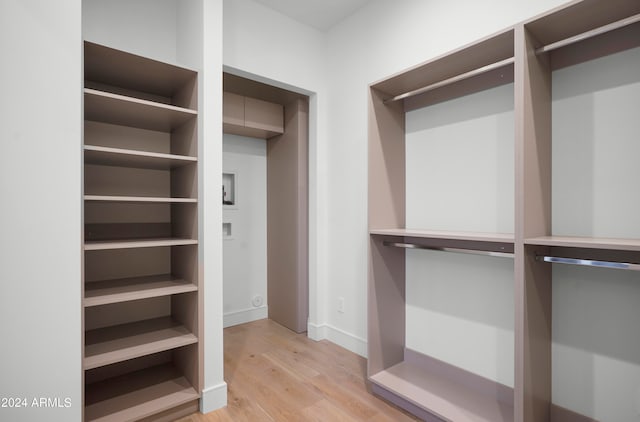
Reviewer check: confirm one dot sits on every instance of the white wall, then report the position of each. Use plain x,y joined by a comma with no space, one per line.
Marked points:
245,252
460,177
267,46
41,206
145,27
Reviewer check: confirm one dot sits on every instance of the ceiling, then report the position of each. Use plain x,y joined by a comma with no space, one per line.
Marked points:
320,14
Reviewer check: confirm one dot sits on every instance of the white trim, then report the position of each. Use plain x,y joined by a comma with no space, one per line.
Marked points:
245,315
213,398
316,332
340,337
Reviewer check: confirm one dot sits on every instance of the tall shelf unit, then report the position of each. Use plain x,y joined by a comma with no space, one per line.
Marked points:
526,55
141,291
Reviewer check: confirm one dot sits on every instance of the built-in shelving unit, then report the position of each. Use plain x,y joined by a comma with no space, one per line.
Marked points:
141,290
426,390
526,55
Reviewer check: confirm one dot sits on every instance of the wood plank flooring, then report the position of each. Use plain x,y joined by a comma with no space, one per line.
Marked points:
274,374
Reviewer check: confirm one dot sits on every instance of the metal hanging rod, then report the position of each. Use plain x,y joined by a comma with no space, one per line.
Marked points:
456,250
457,78
590,263
589,34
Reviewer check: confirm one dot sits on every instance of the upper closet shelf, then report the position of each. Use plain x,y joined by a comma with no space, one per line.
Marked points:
586,242
107,198
123,110
107,156
96,245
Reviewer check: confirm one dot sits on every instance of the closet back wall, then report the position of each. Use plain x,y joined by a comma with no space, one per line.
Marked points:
245,253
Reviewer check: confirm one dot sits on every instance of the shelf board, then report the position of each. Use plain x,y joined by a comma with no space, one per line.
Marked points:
137,395
110,198
95,245
441,396
586,242
105,346
126,289
107,156
446,235
118,109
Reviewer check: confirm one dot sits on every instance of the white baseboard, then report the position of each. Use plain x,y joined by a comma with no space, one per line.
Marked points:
245,315
316,332
340,337
213,398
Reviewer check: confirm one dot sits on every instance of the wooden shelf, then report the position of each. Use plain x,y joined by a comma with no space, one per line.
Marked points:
118,109
126,289
96,245
586,242
495,242
441,396
105,346
446,235
110,198
106,156
137,395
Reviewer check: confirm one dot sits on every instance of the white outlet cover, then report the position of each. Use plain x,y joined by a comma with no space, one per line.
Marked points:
257,301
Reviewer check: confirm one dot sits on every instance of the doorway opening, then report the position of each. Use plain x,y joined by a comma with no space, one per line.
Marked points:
265,203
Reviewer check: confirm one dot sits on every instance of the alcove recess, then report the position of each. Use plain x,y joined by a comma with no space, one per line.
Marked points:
525,54
141,290
281,117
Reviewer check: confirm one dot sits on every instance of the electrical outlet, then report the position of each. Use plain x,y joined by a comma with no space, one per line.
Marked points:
341,305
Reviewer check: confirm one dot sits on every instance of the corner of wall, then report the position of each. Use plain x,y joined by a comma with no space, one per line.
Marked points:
214,398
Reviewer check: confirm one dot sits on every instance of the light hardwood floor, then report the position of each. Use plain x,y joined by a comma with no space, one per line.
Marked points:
274,374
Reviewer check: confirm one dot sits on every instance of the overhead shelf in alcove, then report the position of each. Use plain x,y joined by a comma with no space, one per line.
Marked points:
251,117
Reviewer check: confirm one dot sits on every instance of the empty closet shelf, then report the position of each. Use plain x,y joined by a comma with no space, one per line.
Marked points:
114,198
118,109
437,239
119,157
126,289
137,395
441,396
95,245
586,242
105,346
